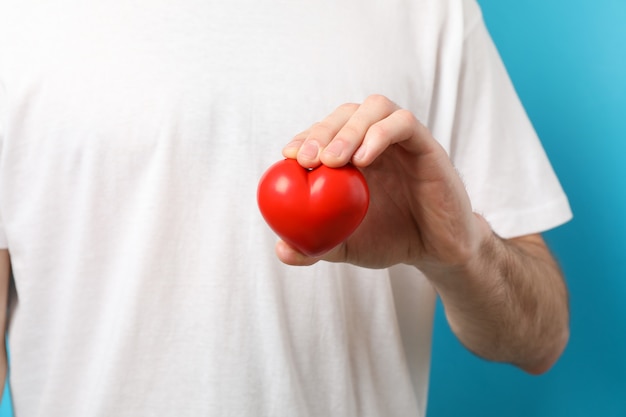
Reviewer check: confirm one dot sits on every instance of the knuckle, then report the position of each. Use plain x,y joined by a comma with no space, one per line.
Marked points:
378,131
378,100
405,116
347,107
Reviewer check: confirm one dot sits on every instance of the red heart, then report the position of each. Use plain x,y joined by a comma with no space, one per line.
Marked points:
313,210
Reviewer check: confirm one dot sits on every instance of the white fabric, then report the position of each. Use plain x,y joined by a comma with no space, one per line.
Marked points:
132,137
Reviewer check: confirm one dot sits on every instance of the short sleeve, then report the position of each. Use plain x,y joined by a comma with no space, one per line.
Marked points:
494,145
3,240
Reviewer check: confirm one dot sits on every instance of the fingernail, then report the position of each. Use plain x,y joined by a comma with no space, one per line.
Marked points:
291,149
360,153
309,150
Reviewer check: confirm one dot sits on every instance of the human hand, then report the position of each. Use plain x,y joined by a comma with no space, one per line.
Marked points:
504,299
419,212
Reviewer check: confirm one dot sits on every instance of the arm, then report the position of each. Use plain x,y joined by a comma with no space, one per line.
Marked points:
509,304
5,274
504,299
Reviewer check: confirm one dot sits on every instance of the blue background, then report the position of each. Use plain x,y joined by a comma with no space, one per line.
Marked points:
567,59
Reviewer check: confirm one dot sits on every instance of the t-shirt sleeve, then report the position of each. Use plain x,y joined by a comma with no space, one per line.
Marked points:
494,145
3,240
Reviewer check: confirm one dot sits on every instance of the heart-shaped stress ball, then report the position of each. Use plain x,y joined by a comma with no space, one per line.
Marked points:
313,210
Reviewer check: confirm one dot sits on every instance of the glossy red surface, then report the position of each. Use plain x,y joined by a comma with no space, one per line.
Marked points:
312,210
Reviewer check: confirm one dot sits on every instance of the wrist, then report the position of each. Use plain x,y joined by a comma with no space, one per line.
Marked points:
466,257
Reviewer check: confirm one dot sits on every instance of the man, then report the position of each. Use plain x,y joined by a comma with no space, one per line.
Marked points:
132,138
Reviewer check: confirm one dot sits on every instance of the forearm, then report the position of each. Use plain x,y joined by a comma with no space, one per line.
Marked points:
5,276
508,304
3,368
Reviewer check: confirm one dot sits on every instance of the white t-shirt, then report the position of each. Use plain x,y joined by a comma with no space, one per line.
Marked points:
132,137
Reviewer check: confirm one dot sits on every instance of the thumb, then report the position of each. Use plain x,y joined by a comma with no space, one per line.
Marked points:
291,256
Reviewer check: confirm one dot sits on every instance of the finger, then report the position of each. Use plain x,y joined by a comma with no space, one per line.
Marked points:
291,149
348,139
400,127
306,146
290,256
